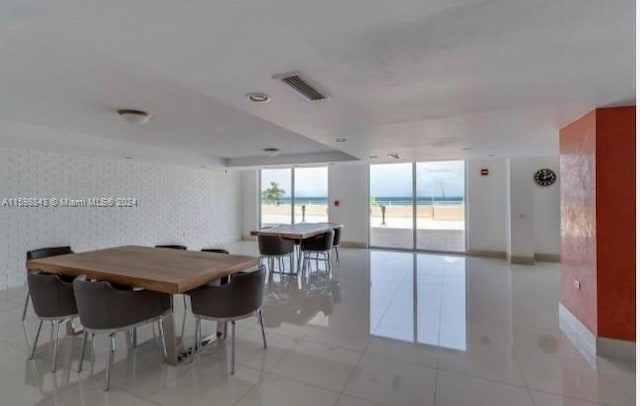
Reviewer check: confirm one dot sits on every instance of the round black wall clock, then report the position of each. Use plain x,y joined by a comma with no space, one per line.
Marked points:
545,177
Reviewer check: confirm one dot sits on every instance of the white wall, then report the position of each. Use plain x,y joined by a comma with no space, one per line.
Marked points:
349,183
194,207
546,208
495,203
520,214
250,202
486,206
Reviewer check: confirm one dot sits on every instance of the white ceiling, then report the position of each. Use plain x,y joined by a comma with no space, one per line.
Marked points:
428,79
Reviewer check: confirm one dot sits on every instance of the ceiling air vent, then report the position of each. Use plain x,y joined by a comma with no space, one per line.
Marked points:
301,85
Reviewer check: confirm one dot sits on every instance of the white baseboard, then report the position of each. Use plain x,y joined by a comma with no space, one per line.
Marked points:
487,254
590,345
547,257
353,244
522,260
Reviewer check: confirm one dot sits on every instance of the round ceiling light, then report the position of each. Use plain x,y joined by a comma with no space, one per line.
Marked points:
258,97
272,151
341,140
134,116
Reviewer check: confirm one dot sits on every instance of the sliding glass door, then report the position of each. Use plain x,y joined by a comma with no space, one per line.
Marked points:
293,195
418,205
391,205
311,198
440,206
275,197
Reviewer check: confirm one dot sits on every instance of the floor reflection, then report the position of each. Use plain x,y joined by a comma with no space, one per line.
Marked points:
301,300
419,298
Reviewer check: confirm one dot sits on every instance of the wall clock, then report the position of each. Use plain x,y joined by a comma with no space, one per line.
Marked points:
545,177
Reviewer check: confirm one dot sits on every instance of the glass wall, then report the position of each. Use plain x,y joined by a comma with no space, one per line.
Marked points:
418,205
311,200
275,197
391,205
440,206
294,195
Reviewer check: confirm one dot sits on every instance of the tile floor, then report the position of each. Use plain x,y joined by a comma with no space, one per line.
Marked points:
388,328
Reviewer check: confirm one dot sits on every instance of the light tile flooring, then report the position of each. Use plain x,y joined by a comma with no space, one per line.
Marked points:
388,328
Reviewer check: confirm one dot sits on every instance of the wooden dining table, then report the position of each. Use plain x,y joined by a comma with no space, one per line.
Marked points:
299,231
159,269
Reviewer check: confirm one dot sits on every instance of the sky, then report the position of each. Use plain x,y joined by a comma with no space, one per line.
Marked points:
388,180
433,179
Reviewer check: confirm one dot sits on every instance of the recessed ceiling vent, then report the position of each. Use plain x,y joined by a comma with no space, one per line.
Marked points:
303,86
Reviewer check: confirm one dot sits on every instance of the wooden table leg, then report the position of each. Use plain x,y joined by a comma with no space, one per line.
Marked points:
170,337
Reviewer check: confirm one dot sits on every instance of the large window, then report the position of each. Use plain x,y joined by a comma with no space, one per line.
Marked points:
293,195
418,205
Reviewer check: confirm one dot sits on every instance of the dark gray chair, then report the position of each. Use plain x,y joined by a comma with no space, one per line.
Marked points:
240,298
43,253
104,309
172,246
320,245
53,300
272,247
337,238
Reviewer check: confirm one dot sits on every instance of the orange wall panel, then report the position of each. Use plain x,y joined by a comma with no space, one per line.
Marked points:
578,219
597,174
616,221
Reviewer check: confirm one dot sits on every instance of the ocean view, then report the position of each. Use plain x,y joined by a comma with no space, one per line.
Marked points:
385,200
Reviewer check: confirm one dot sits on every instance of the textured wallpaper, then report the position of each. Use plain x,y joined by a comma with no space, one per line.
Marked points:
194,207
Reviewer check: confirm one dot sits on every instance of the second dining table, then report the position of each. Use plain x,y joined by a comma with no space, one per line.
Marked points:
297,232
157,269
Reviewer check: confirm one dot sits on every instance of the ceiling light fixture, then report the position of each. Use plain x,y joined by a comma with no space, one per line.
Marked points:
134,116
272,151
373,156
393,156
341,140
258,97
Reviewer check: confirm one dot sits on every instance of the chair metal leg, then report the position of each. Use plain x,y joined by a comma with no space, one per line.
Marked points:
194,349
93,347
84,347
26,305
162,340
264,337
337,255
54,360
233,347
35,341
134,337
112,350
184,316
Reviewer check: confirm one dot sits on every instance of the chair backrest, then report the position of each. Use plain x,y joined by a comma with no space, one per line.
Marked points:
322,242
50,295
172,246
103,307
48,252
241,296
274,245
337,236
215,250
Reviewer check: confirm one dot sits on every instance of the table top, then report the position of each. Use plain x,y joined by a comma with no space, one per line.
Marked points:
297,231
160,269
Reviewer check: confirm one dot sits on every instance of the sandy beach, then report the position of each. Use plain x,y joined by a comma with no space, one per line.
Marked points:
396,216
